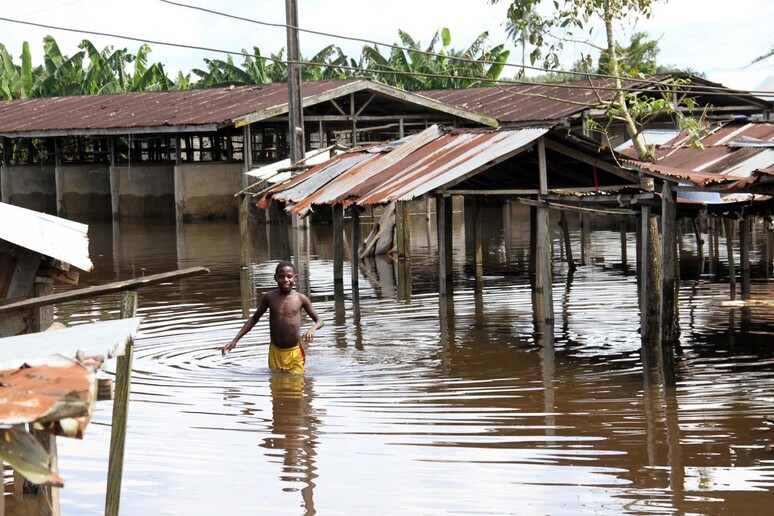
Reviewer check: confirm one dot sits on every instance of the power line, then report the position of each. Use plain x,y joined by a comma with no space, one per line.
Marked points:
705,89
414,50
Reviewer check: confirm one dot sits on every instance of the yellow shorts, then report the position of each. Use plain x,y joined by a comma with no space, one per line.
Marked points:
289,360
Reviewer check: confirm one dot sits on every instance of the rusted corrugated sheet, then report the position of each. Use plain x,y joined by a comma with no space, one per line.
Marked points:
187,110
48,395
512,104
733,155
48,235
403,170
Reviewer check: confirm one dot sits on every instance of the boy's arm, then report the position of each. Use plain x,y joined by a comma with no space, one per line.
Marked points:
318,322
252,321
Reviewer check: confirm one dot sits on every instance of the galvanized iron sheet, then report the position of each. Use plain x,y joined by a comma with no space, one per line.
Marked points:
404,170
48,235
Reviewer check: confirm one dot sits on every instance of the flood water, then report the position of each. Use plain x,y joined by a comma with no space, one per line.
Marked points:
420,406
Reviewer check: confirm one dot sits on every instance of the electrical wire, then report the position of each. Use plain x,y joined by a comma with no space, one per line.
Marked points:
705,89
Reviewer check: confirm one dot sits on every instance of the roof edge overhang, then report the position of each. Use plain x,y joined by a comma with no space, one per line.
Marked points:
206,128
369,85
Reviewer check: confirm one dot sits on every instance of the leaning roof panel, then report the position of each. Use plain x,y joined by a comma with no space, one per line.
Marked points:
403,170
58,238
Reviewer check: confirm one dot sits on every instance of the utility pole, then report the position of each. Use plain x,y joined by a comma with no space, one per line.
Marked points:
295,109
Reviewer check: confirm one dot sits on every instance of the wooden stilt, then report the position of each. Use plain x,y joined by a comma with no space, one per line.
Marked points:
404,249
769,251
624,250
744,258
669,265
120,413
478,248
244,260
338,244
355,262
644,270
443,206
728,224
699,244
544,281
567,244
585,239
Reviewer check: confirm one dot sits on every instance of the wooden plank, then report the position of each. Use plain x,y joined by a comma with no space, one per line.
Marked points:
747,302
120,413
101,290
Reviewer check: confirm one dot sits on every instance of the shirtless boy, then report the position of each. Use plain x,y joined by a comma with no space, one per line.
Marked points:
284,305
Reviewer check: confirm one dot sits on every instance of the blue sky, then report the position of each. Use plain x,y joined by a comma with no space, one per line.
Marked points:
707,36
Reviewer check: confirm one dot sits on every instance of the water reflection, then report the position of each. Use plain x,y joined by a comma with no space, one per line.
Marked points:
415,403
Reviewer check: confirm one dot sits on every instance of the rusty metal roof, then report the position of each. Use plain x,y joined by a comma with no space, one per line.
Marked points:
58,238
735,154
541,102
405,169
187,110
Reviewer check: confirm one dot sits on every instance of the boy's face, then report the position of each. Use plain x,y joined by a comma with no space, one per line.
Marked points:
286,278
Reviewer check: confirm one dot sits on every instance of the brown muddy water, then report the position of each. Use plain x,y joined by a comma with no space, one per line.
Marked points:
421,408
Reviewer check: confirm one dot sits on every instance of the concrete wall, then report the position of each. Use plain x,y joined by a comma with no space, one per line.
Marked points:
31,187
206,190
83,190
143,191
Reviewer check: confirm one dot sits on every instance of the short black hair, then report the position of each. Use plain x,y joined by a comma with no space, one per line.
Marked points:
280,265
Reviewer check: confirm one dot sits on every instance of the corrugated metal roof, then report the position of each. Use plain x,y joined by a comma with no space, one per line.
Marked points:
106,338
186,110
48,235
723,159
541,102
403,170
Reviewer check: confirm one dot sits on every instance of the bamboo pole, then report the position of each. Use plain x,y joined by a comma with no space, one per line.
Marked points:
120,413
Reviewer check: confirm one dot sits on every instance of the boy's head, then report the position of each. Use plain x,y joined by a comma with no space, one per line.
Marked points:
285,275
282,265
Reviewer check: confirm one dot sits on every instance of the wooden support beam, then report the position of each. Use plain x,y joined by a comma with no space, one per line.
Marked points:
443,207
728,224
338,243
101,290
589,160
120,413
544,282
668,305
645,271
478,247
566,237
744,258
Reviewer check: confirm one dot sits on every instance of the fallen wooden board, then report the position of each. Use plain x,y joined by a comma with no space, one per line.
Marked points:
750,302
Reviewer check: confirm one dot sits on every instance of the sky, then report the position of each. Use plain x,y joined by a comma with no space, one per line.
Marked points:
716,37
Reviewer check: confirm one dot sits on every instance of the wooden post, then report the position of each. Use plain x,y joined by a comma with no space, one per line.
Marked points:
403,237
355,261
338,244
699,244
728,224
713,245
443,208
567,243
669,264
478,248
769,251
644,270
585,239
624,250
744,258
120,413
543,264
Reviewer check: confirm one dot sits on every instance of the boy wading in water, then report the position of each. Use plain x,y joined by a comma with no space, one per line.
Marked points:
284,305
